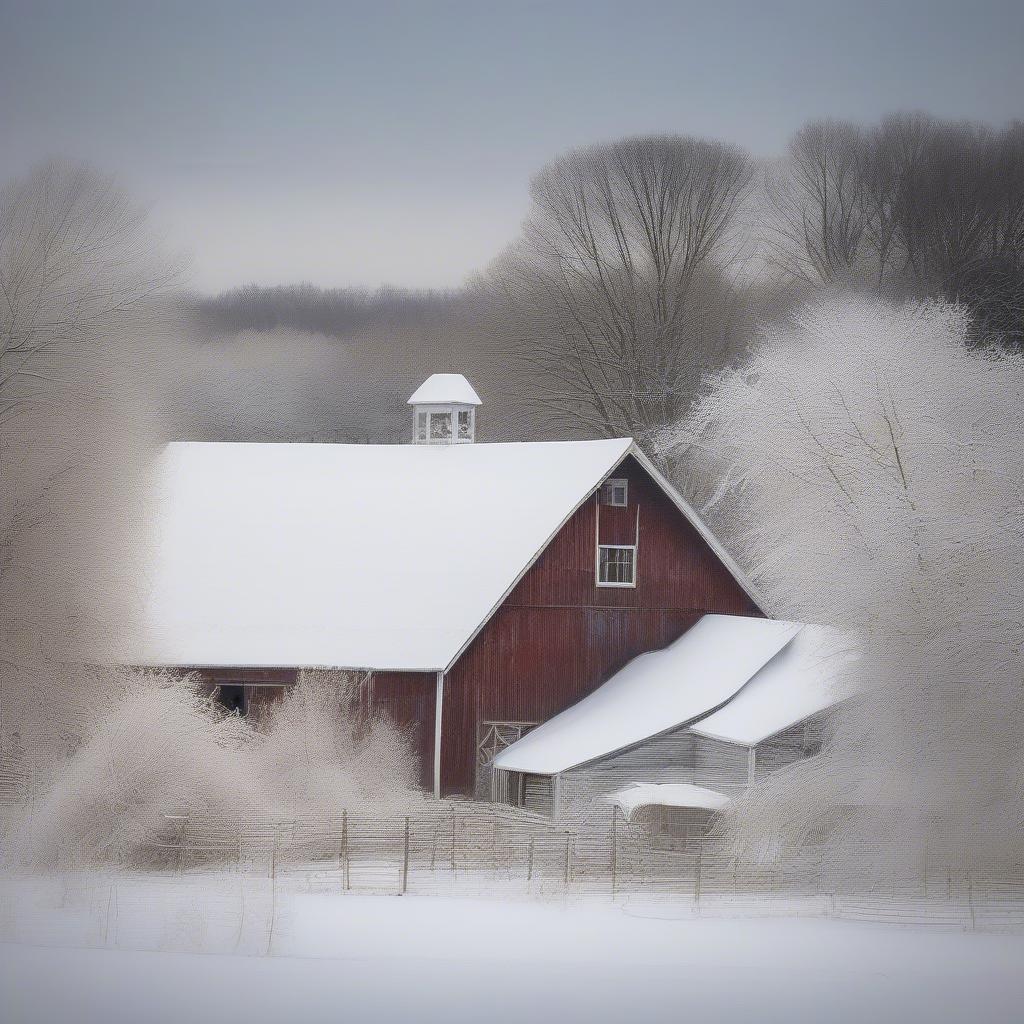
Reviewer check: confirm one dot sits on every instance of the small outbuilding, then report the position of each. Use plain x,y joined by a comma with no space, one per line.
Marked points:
688,727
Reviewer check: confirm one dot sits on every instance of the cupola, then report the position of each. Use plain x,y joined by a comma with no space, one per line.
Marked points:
444,410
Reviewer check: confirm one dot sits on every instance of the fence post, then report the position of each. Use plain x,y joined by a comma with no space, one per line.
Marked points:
453,839
697,873
344,850
405,858
970,900
568,854
529,861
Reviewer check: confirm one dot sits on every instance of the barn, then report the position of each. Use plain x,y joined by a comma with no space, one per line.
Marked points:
482,590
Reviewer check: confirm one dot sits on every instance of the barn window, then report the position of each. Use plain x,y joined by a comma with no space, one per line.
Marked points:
616,565
421,426
465,424
615,492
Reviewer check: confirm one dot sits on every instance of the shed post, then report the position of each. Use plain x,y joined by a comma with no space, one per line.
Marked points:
751,765
615,847
556,796
438,710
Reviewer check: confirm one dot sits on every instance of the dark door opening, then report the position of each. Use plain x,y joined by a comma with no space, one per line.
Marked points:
232,697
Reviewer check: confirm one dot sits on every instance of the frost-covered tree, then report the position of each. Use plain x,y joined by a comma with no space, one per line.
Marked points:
870,471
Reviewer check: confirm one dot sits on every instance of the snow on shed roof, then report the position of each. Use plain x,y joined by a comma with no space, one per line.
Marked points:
655,692
681,794
350,556
444,389
804,678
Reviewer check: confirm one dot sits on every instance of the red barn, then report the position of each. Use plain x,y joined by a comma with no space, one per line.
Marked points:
482,588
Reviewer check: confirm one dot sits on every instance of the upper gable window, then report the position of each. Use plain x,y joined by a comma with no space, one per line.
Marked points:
615,492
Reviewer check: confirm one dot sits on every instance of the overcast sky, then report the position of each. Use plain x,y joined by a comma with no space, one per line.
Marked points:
362,143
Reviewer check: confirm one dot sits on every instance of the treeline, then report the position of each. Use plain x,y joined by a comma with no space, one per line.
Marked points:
334,312
912,207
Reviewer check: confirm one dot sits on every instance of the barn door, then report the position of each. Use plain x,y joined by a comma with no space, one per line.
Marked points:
492,739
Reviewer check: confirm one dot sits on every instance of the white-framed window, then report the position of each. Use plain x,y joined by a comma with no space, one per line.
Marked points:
616,565
615,491
443,424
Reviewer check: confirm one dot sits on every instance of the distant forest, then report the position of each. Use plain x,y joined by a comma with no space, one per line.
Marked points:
644,266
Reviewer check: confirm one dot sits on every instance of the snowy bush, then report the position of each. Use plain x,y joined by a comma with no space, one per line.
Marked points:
324,752
163,752
162,749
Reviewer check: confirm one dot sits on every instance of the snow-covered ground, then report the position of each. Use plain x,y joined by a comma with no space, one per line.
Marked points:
353,957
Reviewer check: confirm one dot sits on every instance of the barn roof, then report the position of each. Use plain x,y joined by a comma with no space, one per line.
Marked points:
656,692
804,678
354,556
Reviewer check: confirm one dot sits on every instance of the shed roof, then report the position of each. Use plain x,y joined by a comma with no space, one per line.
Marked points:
655,692
445,389
682,794
804,678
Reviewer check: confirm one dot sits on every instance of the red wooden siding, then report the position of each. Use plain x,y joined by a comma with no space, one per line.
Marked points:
408,699
558,636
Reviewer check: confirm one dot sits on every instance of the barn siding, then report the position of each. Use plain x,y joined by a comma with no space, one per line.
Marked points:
537,793
793,744
558,636
408,699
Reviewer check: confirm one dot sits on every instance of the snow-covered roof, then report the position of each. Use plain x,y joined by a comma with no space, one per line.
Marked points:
445,389
351,556
682,794
655,692
805,677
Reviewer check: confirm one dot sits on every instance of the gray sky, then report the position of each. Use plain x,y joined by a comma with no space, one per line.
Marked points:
361,143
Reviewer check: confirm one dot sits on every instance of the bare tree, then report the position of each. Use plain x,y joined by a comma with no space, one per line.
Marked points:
615,290
914,207
76,265
817,204
80,282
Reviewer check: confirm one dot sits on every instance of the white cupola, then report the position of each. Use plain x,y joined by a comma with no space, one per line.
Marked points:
444,410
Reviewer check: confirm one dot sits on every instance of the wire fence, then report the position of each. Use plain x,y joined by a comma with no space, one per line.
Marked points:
489,850
478,849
